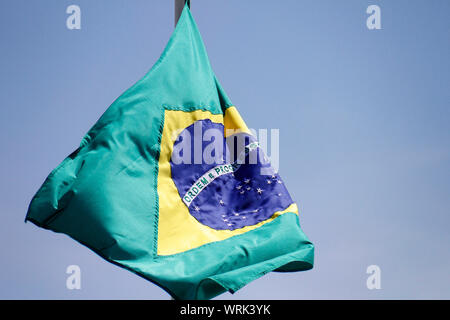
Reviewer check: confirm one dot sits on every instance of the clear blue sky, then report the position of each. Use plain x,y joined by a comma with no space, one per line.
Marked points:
363,118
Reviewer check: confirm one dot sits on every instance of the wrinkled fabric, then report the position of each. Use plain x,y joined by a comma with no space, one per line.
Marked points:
106,196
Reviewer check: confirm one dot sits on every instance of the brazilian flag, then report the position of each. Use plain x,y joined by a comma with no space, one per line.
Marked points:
171,184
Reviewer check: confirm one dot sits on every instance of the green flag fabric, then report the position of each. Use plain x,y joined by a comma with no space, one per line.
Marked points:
161,185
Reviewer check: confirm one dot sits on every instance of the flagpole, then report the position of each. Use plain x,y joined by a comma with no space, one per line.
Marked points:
179,5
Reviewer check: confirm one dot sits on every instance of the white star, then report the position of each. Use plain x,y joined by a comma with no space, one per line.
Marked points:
259,190
239,187
255,211
225,220
269,182
248,188
236,214
247,180
274,176
221,202
244,217
230,224
196,208
242,192
279,194
279,181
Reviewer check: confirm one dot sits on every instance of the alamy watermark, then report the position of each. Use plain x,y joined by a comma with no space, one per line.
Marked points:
73,281
373,22
73,21
229,147
374,280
